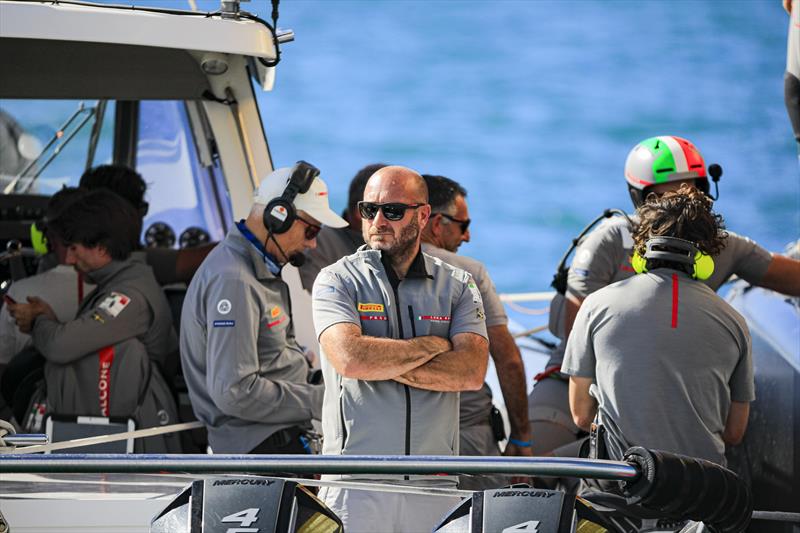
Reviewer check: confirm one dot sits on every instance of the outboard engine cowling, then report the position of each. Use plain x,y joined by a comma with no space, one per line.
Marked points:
246,503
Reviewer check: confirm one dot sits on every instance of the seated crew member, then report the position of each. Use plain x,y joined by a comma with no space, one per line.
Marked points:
401,333
21,373
446,229
655,165
335,243
99,363
659,360
248,379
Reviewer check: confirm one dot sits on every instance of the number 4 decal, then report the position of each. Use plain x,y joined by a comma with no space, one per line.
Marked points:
244,518
531,526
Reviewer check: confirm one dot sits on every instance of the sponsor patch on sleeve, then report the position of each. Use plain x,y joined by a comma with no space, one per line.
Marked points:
476,294
114,304
224,323
580,271
324,290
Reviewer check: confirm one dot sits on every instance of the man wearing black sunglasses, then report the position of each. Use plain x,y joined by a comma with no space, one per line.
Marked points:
481,423
401,333
247,376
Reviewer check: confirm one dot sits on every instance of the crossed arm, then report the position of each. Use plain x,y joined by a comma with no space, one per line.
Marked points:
428,362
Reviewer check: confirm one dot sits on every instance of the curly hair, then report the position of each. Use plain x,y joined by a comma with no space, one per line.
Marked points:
686,214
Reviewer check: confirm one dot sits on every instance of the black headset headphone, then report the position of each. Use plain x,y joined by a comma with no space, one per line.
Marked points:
280,214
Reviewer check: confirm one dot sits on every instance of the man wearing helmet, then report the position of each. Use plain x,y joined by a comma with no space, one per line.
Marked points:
656,165
673,370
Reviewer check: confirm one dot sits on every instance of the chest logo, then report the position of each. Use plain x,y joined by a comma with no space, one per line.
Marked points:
274,312
370,308
114,304
224,307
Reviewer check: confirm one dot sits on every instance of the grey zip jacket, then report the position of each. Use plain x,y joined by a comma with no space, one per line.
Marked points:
247,375
387,417
103,363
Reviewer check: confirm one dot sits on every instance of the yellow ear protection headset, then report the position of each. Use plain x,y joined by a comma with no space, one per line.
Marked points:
280,214
38,238
687,254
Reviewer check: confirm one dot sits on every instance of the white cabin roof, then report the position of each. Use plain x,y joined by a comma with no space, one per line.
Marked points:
127,26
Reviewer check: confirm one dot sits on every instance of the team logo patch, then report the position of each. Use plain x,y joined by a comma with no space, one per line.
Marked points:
279,212
274,323
224,323
584,256
275,311
480,314
580,271
373,317
476,294
434,318
114,304
224,307
370,308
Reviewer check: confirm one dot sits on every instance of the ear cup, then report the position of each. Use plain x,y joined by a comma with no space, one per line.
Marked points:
638,263
703,266
38,240
279,215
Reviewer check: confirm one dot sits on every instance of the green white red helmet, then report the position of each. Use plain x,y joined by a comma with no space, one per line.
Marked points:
661,160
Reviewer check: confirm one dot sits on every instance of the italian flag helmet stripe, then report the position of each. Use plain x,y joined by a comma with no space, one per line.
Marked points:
673,155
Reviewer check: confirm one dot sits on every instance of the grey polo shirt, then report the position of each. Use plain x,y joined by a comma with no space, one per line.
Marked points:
475,405
387,417
668,356
246,374
603,258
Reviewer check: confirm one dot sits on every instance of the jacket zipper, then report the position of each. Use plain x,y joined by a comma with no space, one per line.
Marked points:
341,415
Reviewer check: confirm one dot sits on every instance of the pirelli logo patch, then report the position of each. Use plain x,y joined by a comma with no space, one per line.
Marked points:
370,308
434,318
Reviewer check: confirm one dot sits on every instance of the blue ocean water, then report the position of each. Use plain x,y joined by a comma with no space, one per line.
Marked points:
534,105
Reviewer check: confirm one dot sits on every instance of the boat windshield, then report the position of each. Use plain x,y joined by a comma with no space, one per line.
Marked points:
48,144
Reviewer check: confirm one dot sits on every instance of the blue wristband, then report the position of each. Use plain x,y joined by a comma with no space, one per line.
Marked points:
520,443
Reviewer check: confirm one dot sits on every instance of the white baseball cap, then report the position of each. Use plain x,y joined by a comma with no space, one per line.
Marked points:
314,201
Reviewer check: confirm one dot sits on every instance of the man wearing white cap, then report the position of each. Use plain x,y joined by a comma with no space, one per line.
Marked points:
248,379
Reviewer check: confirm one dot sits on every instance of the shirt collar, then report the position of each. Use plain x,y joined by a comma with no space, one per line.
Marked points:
268,258
417,268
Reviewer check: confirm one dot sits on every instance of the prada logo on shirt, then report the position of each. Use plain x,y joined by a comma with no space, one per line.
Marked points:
277,321
373,317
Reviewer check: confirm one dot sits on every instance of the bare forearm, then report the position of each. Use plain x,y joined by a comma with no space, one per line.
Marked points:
458,370
511,374
373,358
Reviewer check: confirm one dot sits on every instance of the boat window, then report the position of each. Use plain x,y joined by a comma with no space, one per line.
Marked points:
46,144
176,156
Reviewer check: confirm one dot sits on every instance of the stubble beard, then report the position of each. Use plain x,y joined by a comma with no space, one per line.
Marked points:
404,244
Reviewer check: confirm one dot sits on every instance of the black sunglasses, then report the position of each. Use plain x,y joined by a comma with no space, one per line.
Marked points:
464,223
393,211
312,230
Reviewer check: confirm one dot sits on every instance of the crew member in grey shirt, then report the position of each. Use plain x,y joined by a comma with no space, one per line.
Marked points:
248,379
659,360
447,228
335,243
654,166
401,333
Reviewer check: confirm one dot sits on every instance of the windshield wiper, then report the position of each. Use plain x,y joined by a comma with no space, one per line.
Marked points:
61,134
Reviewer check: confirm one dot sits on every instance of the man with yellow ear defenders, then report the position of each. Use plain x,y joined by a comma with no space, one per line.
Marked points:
653,167
659,360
